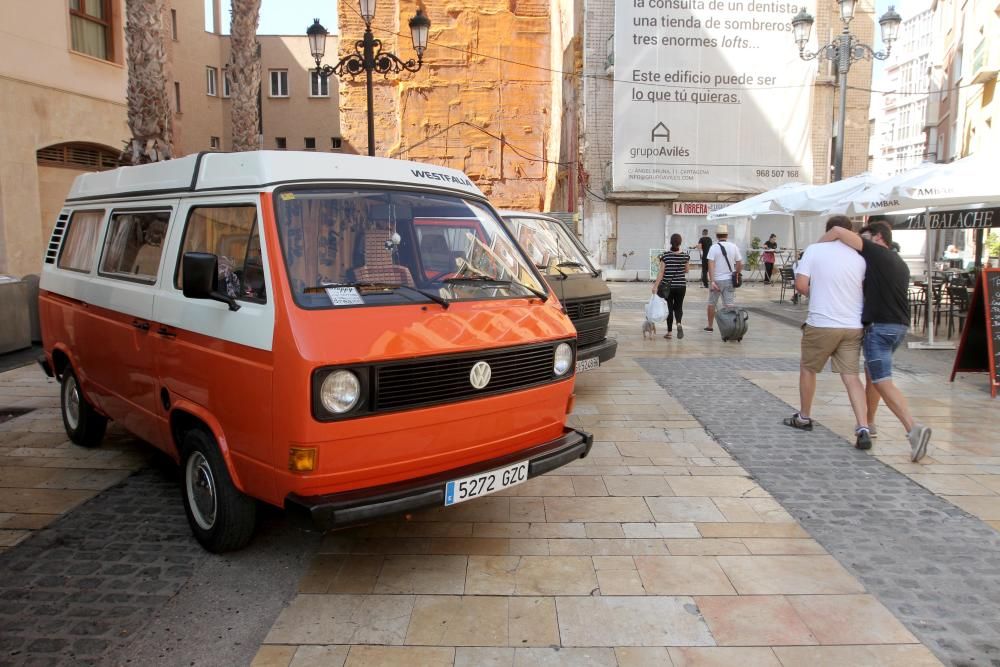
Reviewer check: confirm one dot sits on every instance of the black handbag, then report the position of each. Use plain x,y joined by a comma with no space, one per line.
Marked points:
737,275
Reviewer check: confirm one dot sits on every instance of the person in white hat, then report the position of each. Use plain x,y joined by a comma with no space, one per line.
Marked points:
724,258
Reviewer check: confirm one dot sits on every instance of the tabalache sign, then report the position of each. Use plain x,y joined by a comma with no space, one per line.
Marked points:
973,218
709,96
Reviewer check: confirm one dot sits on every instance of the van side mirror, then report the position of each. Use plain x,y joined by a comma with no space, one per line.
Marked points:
201,278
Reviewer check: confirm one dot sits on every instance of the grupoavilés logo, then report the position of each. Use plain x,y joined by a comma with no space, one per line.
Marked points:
658,151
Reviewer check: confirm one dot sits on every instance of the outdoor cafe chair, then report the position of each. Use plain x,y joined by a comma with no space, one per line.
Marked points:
787,281
958,307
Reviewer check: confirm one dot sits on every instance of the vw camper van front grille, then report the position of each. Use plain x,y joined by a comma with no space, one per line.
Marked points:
52,252
447,379
577,310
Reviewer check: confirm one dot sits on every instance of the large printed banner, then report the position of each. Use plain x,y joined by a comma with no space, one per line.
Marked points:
710,96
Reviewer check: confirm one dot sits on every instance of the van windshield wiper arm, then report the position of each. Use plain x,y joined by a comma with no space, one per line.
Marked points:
486,281
383,286
578,265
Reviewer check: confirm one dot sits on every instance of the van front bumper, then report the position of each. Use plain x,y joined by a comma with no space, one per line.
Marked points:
352,507
604,350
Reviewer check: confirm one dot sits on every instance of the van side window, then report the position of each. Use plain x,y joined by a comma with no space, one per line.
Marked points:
134,245
77,252
231,233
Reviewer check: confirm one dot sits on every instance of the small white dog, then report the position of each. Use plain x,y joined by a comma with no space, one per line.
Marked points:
648,328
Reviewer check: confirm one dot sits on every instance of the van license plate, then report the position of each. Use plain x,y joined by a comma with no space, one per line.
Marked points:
588,364
467,488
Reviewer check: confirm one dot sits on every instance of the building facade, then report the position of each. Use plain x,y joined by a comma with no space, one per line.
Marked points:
900,105
621,229
63,80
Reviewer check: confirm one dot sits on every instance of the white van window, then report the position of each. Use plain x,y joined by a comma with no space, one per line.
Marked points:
397,247
231,233
77,252
134,245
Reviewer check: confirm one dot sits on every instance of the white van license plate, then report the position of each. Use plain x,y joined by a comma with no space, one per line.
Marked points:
485,483
588,364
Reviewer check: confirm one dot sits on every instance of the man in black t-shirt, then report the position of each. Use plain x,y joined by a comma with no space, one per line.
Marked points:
886,318
705,242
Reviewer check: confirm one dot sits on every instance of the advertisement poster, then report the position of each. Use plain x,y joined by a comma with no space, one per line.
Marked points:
710,96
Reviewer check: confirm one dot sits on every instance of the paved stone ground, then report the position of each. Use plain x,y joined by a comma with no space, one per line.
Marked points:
936,567
121,581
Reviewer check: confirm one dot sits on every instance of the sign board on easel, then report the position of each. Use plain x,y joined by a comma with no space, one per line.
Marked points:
980,347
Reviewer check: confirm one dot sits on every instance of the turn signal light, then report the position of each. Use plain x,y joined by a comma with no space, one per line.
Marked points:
570,402
302,459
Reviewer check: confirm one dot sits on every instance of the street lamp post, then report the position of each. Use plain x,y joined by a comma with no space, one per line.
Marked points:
368,56
845,49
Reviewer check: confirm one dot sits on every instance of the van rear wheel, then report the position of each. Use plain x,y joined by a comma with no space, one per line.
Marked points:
84,425
221,517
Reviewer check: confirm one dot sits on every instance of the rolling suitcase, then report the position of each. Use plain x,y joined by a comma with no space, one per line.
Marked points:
732,323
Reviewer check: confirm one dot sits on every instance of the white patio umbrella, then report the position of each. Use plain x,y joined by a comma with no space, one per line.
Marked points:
757,205
966,182
819,199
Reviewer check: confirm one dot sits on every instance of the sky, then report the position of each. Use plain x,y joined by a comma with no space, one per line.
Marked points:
285,17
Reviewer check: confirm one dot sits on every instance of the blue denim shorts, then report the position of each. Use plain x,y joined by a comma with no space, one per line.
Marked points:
880,341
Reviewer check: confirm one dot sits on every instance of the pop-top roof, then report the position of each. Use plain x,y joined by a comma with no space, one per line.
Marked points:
258,169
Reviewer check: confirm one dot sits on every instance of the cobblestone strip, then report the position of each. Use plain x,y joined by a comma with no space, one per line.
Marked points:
936,567
87,584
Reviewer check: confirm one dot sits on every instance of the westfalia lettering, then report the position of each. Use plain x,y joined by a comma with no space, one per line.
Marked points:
436,176
662,151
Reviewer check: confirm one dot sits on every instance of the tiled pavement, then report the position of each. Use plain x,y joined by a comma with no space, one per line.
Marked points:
659,549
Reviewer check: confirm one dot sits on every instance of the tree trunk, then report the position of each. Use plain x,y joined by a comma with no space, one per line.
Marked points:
149,116
244,74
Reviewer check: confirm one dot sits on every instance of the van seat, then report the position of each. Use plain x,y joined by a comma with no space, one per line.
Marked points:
378,266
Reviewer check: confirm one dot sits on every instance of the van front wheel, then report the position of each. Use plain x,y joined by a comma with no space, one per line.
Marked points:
84,426
221,517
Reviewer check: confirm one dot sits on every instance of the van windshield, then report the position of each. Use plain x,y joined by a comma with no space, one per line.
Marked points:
352,247
549,245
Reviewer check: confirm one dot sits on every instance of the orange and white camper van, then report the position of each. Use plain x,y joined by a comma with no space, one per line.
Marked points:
274,322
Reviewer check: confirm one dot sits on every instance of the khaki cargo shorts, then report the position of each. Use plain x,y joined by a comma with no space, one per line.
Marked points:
843,346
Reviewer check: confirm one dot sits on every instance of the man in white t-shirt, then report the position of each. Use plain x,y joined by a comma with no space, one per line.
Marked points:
720,271
832,274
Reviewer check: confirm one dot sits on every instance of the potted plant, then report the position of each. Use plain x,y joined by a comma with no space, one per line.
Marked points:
753,255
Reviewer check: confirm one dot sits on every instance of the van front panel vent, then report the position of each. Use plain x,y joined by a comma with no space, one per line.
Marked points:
447,379
55,241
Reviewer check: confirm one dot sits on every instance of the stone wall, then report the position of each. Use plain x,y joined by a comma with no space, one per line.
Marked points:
481,103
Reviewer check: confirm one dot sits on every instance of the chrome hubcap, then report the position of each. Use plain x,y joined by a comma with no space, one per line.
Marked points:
200,487
71,399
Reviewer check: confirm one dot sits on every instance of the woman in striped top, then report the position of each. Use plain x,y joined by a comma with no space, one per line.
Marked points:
671,283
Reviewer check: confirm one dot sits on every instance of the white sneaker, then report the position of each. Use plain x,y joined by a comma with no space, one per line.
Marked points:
918,437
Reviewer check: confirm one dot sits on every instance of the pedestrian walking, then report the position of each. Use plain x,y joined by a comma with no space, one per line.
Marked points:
724,259
770,245
832,275
671,283
706,243
886,319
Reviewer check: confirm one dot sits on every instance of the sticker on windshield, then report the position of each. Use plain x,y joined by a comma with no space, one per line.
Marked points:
287,196
344,296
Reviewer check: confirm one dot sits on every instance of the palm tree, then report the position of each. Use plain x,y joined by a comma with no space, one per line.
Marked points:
244,73
149,116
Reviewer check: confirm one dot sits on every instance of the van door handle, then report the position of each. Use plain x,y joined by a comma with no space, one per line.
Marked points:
166,333
139,324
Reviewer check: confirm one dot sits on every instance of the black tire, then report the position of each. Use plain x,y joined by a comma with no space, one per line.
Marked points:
84,425
221,517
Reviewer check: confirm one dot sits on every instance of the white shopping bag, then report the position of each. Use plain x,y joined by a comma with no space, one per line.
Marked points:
656,309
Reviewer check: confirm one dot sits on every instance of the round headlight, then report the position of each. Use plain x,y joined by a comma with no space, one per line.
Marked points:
340,391
563,360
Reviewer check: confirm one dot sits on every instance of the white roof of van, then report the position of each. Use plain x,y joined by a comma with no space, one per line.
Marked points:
260,169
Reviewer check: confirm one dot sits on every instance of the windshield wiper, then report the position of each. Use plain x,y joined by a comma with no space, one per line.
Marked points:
486,281
382,286
563,275
578,265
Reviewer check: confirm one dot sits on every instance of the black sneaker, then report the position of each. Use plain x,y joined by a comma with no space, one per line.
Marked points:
799,422
864,439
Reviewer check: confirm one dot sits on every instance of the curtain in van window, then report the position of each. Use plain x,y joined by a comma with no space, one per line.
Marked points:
317,237
81,241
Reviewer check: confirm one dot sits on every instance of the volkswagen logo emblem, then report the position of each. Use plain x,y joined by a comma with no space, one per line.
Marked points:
480,374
